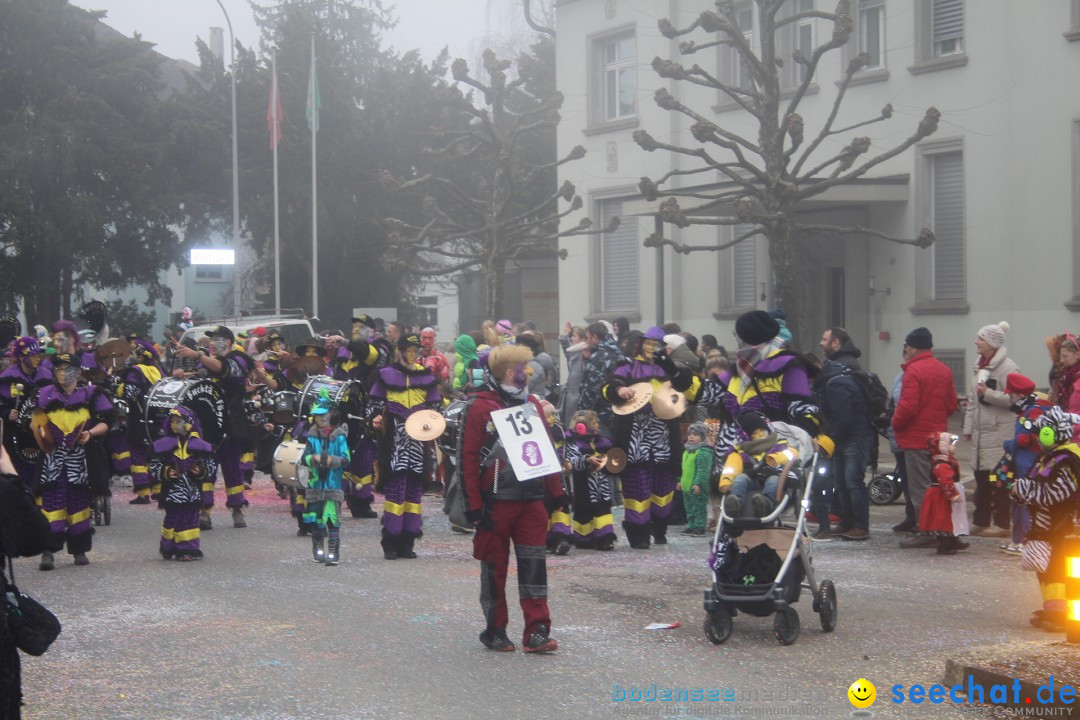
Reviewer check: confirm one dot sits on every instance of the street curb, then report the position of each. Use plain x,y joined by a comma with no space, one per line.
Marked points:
957,672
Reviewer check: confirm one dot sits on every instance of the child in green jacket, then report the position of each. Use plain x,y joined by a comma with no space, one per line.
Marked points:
696,465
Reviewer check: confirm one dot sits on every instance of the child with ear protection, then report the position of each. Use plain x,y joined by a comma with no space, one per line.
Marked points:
1051,490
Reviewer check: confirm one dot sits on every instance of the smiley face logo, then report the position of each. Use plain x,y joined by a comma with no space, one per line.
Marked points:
862,693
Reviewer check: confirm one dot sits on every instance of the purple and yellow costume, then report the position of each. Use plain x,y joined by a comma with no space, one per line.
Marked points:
403,462
181,465
18,382
593,524
361,361
135,384
64,483
240,438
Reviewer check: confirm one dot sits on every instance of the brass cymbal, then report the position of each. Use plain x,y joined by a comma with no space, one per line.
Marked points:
115,349
643,393
425,425
615,460
668,403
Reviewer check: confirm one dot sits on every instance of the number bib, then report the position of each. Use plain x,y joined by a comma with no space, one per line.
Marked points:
526,442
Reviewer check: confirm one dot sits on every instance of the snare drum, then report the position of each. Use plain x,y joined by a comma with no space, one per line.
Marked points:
288,469
284,407
455,421
202,397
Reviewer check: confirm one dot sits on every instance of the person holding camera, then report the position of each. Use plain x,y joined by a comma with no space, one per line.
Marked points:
988,422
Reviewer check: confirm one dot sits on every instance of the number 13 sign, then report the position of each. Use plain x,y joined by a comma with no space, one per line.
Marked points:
526,442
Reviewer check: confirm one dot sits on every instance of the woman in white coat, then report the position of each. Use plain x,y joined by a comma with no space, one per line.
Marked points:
989,422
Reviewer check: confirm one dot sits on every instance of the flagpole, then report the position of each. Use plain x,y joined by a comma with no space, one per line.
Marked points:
314,189
277,231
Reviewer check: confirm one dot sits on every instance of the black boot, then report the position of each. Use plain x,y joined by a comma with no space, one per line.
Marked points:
405,547
317,552
659,531
389,546
362,509
333,548
636,535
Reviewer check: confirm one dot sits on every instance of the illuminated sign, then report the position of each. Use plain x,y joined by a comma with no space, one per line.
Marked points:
212,256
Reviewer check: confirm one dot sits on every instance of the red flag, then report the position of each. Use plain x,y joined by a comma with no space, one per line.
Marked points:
273,110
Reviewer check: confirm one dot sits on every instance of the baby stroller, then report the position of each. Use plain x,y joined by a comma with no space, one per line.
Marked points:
760,565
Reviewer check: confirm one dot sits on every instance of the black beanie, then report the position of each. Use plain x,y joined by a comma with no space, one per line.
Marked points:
756,327
920,339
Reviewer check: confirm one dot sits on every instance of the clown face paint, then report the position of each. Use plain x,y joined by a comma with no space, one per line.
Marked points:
220,346
649,348
63,342
521,375
427,340
360,331
179,426
408,355
323,420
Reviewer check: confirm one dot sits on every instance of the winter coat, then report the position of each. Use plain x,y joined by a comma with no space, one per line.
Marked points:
845,405
847,355
603,360
575,365
988,420
927,399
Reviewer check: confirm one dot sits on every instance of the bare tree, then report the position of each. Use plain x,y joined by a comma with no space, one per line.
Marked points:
764,180
501,202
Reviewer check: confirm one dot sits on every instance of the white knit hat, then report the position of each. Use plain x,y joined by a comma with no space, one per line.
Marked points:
994,335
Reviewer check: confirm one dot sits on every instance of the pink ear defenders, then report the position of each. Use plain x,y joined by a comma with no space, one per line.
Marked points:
581,429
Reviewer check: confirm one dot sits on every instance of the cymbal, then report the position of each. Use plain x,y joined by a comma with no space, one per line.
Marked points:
115,349
425,425
643,392
668,403
615,460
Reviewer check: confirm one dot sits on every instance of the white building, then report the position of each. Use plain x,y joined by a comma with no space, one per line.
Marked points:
998,181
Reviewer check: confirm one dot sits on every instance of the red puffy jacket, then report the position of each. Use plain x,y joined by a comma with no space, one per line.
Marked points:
927,399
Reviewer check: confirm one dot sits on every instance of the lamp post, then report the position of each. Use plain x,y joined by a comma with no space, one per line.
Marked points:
235,165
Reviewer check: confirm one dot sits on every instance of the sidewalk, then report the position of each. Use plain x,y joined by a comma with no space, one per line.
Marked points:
1032,663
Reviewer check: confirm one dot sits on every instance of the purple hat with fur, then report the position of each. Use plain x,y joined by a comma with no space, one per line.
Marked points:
25,346
654,333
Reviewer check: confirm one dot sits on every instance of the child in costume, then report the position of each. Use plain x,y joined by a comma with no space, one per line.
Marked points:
586,450
181,462
326,455
762,462
944,512
1020,452
696,466
1051,490
559,532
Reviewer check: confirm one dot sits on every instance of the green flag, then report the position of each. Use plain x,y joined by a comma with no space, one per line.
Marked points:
314,103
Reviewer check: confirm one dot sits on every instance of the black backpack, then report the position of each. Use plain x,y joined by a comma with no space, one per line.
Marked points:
879,407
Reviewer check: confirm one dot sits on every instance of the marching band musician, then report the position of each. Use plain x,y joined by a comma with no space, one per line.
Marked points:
400,390
182,462
17,385
592,521
135,382
361,359
67,418
229,369
653,446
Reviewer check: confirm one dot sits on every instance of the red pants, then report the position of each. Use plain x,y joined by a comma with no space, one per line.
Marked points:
526,524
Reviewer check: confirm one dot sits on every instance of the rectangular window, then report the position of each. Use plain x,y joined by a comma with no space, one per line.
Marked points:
743,269
740,77
804,39
871,32
619,76
209,272
948,27
955,361
427,311
619,253
947,218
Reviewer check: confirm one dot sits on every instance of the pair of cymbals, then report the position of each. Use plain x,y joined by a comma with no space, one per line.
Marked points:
667,402
424,425
116,349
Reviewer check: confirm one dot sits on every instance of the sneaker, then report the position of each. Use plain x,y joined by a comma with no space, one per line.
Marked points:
81,559
1013,549
540,641
497,641
918,541
822,535
47,562
460,529
562,548
238,520
855,534
732,506
140,500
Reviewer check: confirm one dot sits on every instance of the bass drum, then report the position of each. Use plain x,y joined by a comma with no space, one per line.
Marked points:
348,395
202,397
455,424
288,470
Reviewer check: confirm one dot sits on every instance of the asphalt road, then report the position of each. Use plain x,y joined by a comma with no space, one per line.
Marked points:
257,630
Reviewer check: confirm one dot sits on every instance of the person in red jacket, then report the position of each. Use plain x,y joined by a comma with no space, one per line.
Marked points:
927,399
502,508
431,358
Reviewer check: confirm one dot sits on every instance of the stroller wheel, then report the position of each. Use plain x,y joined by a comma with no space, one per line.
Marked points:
786,626
883,489
718,626
95,506
106,509
826,602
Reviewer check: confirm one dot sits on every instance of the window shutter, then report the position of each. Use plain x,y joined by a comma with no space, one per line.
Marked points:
618,260
743,268
948,20
948,199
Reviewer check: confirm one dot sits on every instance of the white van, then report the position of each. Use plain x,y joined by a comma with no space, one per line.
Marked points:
293,330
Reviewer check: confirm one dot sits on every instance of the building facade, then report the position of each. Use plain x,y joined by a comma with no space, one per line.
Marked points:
998,182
